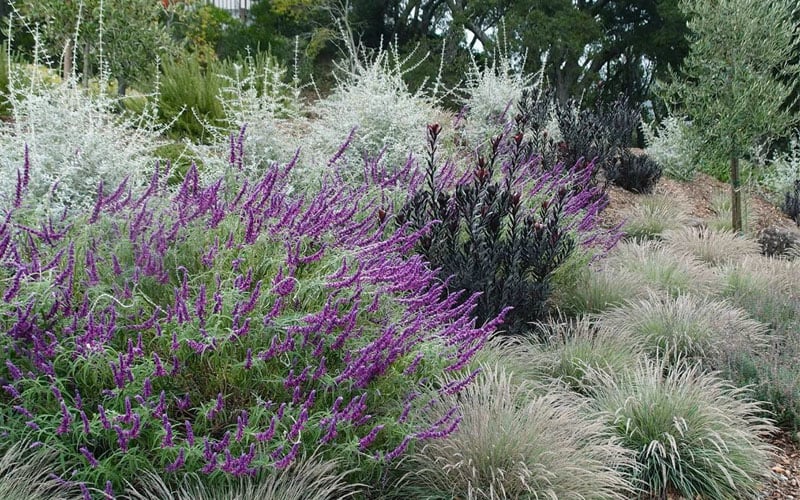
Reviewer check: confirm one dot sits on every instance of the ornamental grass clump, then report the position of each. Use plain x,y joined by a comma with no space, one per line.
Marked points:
692,433
517,442
307,479
721,205
652,216
662,269
686,327
26,473
715,248
223,329
768,290
506,226
575,347
598,289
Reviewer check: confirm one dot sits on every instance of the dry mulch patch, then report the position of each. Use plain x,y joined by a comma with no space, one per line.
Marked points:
784,480
695,197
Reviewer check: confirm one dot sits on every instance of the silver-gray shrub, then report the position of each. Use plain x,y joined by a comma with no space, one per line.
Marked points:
260,101
72,140
669,145
372,101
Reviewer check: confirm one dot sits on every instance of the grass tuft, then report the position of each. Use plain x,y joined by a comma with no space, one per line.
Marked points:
25,474
308,479
514,443
712,247
598,290
663,269
722,221
577,347
652,217
686,326
693,434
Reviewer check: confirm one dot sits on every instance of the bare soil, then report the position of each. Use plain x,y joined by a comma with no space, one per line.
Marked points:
695,197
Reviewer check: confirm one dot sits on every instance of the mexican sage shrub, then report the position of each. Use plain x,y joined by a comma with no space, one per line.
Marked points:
221,329
506,227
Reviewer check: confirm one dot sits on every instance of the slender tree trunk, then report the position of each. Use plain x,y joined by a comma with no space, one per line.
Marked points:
69,49
122,86
736,196
67,66
86,65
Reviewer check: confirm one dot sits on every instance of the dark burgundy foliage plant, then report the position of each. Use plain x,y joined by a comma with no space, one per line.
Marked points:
534,114
791,202
600,134
635,173
505,229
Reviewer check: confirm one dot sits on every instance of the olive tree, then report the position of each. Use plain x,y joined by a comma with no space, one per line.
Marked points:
128,32
737,80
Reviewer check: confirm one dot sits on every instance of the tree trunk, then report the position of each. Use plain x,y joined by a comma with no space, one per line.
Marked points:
736,196
86,65
67,66
122,86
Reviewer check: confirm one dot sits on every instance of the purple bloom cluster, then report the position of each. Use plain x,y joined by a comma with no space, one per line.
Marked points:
184,310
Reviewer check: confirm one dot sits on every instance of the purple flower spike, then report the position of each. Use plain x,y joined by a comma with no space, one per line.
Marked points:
166,442
289,458
159,367
85,421
189,433
178,463
401,448
89,457
218,405
109,491
103,419
367,440
15,372
241,424
66,420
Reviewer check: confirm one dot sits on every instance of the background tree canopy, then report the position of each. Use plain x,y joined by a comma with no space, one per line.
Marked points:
594,49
